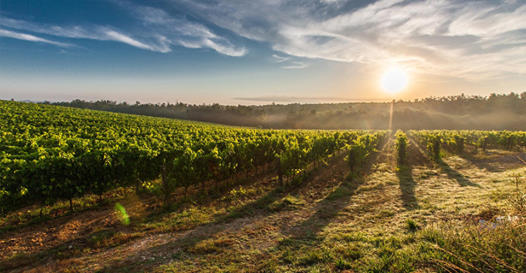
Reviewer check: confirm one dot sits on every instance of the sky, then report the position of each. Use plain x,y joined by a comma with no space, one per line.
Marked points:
258,52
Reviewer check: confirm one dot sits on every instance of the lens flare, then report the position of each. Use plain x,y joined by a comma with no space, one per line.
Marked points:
123,215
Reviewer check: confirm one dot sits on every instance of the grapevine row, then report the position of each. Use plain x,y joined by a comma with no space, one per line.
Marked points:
50,153
456,140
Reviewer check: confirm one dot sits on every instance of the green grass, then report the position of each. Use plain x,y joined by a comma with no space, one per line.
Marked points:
327,222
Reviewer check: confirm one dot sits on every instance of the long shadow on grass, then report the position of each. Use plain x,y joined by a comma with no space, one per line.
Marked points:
454,174
485,163
63,250
22,260
185,244
327,209
197,197
303,237
480,163
337,200
407,186
404,173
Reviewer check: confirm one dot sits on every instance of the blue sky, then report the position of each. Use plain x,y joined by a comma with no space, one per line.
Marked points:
252,52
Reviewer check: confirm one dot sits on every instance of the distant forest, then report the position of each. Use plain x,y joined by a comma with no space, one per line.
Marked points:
496,111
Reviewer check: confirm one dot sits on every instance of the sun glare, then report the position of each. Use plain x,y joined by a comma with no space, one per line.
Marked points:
394,80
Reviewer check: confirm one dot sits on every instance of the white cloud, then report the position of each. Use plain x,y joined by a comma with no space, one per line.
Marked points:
295,65
80,32
489,21
446,37
224,47
154,30
185,33
116,36
29,37
181,31
289,62
280,59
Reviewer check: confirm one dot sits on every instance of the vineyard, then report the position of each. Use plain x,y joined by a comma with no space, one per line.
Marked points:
52,155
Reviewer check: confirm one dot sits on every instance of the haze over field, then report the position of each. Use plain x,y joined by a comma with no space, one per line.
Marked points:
263,136
495,112
257,52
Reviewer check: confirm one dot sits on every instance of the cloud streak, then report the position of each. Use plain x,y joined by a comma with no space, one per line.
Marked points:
177,30
100,33
119,37
288,62
280,59
295,65
154,30
472,39
468,39
30,38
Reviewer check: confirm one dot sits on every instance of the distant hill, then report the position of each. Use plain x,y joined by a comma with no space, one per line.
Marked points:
497,111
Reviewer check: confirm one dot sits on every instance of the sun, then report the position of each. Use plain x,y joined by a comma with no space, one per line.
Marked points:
394,80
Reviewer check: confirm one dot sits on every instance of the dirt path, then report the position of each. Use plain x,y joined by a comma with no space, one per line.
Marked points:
327,196
248,234
321,202
276,225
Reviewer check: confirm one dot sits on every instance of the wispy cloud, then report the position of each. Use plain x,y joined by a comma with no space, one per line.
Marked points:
30,38
280,59
295,65
119,37
154,30
469,39
288,62
101,33
181,31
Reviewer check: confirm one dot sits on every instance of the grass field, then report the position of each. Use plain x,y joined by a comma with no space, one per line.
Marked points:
422,216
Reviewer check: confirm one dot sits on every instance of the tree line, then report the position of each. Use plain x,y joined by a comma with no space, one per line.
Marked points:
496,111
